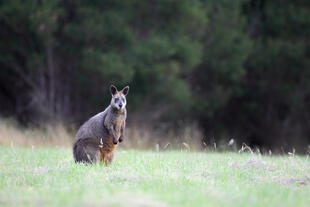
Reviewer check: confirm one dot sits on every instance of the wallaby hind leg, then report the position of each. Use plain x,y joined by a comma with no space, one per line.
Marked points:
106,157
86,150
110,158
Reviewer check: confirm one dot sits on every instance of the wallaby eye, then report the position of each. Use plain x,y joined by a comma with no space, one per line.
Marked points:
116,100
123,99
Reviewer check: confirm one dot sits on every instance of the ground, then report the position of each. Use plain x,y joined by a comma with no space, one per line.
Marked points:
49,177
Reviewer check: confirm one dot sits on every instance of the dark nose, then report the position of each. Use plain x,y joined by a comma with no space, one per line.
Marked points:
120,105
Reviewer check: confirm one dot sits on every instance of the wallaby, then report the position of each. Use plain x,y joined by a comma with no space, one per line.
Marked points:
97,138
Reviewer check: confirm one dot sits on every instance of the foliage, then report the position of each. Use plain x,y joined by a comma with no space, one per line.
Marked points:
237,68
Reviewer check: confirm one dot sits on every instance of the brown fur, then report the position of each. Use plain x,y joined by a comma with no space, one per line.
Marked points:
106,151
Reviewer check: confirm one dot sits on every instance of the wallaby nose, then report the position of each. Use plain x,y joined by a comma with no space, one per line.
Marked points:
120,105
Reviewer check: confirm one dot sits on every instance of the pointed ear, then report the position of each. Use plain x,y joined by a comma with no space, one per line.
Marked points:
113,90
125,90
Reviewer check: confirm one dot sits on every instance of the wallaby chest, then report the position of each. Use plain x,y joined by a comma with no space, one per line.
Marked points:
117,124
115,121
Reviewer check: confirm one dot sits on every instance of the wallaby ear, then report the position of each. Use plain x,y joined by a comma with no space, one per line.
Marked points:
113,90
125,90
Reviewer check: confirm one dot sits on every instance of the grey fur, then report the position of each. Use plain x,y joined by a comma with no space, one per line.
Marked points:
96,139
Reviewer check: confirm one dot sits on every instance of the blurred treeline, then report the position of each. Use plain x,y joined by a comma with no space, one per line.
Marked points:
239,69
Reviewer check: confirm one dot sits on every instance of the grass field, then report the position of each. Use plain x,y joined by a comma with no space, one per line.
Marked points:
49,177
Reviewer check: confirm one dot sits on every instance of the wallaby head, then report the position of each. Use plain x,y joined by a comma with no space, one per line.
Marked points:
118,101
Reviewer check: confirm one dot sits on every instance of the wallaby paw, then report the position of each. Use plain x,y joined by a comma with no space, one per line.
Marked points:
115,142
120,139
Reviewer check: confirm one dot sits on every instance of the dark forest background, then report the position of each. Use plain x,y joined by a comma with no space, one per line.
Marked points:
236,68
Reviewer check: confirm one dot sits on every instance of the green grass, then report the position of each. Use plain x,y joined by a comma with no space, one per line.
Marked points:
49,177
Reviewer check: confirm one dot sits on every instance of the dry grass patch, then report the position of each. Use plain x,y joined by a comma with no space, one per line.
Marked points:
136,136
51,135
